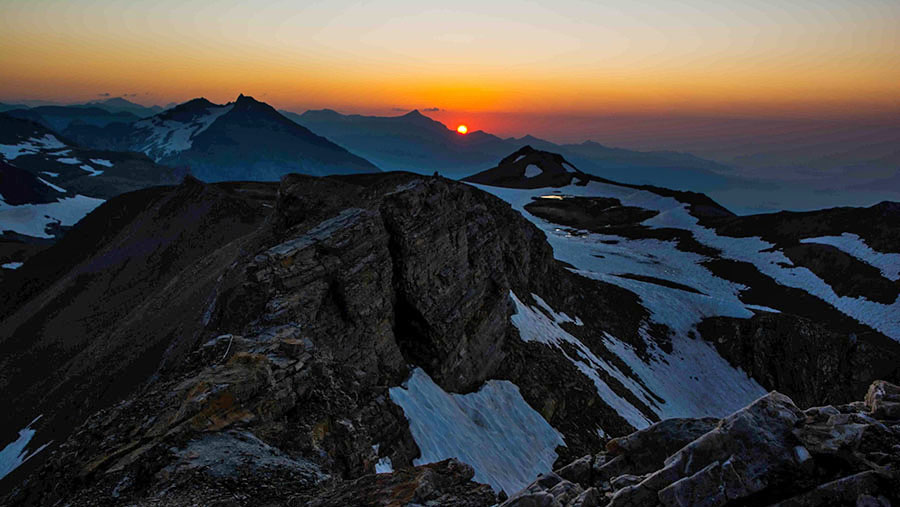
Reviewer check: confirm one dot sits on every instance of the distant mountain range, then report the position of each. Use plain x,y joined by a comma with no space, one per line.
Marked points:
249,140
242,140
112,105
415,142
120,105
47,183
59,118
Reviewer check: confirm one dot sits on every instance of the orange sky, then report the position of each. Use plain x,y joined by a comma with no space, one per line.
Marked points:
474,59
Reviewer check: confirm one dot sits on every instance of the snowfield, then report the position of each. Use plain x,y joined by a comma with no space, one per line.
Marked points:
494,430
692,381
166,137
30,146
888,263
682,310
33,219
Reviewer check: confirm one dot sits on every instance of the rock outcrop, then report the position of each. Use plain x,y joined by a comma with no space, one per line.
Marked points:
299,328
769,453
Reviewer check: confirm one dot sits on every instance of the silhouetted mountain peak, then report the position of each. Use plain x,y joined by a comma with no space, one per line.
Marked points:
246,99
190,107
248,105
530,168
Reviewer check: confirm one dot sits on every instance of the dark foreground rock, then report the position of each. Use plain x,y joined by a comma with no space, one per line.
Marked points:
769,453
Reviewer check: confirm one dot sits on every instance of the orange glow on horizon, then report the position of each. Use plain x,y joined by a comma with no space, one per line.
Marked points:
462,129
470,62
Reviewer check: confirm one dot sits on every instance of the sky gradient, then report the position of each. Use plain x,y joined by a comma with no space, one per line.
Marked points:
827,58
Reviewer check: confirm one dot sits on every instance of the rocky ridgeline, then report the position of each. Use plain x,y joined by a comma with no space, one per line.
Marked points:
769,453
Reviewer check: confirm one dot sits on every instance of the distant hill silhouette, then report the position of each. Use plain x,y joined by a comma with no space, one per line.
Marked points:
415,142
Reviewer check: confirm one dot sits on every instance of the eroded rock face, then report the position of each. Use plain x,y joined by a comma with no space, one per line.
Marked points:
457,253
312,319
815,365
769,453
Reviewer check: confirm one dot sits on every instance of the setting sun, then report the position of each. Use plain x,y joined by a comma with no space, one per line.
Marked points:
462,129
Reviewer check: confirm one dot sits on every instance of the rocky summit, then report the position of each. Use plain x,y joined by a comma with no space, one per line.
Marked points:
534,335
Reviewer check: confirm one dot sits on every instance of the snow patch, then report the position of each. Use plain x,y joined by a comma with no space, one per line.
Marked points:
91,170
14,454
384,466
166,137
887,263
33,219
762,308
51,185
68,160
48,173
532,170
11,265
33,145
494,430
103,162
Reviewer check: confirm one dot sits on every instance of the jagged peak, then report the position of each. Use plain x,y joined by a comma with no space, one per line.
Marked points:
246,99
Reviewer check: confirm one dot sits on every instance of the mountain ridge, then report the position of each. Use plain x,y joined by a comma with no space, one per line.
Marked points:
242,140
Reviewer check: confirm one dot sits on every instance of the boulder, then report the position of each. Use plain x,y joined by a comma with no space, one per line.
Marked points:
883,400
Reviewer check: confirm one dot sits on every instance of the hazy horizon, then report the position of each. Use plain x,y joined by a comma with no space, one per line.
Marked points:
812,59
803,93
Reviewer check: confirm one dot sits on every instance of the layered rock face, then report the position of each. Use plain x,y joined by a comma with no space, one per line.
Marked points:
309,321
769,453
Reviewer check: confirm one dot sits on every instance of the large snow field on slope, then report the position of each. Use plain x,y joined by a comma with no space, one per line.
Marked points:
662,302
692,381
493,429
33,145
888,263
165,137
15,453
33,219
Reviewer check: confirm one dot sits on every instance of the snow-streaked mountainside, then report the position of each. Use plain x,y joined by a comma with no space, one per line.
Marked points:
166,135
613,258
242,140
47,184
426,330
